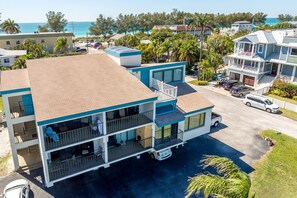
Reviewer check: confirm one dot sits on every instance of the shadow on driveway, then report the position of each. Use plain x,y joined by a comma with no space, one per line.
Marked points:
142,177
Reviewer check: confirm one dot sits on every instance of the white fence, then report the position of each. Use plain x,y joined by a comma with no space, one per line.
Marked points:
283,104
164,88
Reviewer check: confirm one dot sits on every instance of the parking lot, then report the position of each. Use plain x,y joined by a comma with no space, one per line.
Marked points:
236,138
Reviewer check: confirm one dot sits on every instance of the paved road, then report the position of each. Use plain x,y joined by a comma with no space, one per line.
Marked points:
237,138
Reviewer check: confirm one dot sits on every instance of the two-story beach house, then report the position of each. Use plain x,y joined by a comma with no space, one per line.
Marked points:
48,39
79,113
263,56
241,25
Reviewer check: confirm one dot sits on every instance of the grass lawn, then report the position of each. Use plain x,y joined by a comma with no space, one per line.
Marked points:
289,114
198,82
3,164
1,104
283,99
275,174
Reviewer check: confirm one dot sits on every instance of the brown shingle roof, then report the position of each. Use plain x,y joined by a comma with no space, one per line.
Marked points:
192,102
14,79
75,84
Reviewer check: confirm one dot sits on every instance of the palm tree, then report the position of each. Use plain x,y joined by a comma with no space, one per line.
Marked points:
229,182
188,52
61,45
10,27
165,47
19,63
201,21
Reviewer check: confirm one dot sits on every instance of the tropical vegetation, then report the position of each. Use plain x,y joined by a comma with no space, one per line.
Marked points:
229,182
61,45
275,173
10,27
144,22
33,49
284,89
55,22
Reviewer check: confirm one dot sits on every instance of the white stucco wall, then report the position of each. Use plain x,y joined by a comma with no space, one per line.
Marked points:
198,131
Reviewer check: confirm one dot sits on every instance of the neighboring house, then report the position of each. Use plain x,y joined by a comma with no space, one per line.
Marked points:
77,114
115,38
263,56
241,25
185,28
48,39
7,57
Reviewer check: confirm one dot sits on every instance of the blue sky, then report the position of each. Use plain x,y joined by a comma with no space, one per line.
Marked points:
88,10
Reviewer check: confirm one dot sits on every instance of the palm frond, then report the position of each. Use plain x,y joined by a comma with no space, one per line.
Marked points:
223,165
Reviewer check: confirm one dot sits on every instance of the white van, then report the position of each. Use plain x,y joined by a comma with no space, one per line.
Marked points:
261,103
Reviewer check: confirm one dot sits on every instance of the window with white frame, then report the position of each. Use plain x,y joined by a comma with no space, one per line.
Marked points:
6,60
294,52
260,48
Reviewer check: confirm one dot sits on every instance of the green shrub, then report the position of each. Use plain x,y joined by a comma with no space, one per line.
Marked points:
284,89
199,82
278,92
294,97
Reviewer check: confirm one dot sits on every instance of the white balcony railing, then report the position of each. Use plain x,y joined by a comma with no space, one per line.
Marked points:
245,53
163,90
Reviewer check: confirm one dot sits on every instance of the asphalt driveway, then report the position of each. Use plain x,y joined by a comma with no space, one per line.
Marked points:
237,138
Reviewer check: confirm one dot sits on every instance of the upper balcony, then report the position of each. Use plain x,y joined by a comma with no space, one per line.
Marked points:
122,119
245,65
70,133
21,106
246,49
164,91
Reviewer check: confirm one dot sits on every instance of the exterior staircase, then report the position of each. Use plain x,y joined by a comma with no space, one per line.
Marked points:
264,84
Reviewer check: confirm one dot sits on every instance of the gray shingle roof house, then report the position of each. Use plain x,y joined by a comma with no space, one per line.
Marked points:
89,111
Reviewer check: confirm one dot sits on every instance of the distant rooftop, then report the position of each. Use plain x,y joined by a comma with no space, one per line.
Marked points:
180,27
4,52
242,22
78,84
268,36
120,51
35,35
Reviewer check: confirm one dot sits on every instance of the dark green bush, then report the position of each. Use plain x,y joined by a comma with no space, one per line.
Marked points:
284,89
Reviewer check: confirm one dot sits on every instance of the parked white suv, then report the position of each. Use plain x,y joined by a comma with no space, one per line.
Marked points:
261,103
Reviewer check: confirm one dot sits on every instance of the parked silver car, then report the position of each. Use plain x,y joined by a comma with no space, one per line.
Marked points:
260,102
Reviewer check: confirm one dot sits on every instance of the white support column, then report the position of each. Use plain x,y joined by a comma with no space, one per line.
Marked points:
253,46
280,52
242,67
278,69
105,149
104,123
153,125
44,156
10,132
293,74
259,66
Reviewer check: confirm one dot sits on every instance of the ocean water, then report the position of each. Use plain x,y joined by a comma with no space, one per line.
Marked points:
271,21
80,29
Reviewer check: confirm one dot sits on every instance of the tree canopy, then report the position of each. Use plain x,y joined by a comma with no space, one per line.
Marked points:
56,21
10,27
102,26
61,45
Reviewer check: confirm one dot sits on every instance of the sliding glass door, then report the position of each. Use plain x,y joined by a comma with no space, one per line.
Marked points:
166,133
